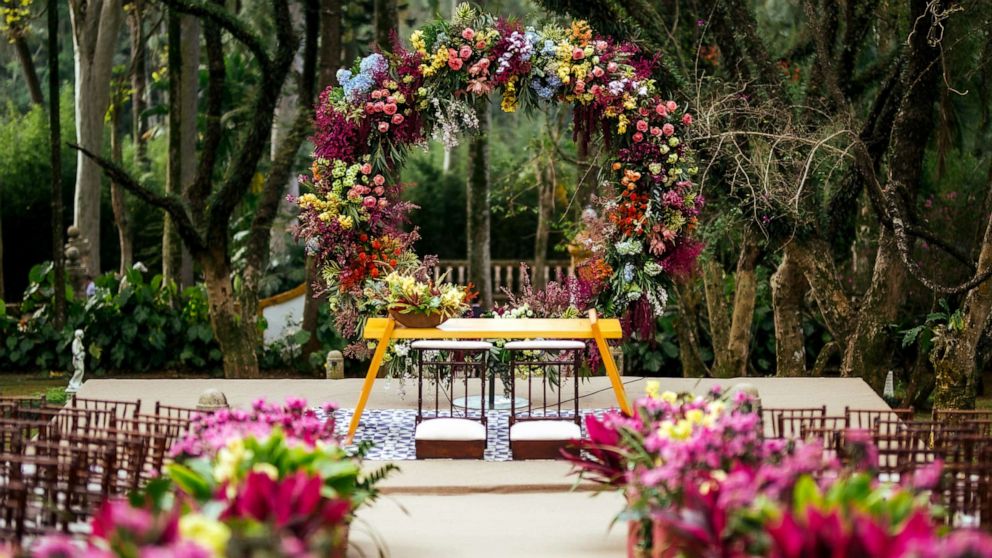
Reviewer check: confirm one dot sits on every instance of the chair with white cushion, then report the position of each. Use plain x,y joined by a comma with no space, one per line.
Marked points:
450,368
551,418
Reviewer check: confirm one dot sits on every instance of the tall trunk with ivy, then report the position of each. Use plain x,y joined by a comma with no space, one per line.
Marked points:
477,210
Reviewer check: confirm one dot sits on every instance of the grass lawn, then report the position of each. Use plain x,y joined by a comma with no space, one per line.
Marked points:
30,384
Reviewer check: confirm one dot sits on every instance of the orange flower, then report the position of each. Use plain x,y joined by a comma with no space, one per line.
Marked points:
581,32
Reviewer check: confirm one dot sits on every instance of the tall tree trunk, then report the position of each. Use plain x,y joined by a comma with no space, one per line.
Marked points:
586,186
54,256
330,42
139,80
386,21
816,260
188,95
329,62
477,210
686,328
27,66
745,293
954,351
95,25
544,172
716,307
240,360
172,256
867,353
117,193
55,158
788,289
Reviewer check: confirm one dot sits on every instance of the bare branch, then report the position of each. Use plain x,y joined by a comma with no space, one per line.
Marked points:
169,203
223,18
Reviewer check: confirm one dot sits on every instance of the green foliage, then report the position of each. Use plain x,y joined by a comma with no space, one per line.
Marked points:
129,324
922,334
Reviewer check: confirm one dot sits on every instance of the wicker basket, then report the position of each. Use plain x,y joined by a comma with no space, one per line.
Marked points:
418,321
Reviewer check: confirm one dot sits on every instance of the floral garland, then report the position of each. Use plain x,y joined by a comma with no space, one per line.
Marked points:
387,103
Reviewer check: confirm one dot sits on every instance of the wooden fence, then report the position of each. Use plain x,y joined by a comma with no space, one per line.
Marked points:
505,273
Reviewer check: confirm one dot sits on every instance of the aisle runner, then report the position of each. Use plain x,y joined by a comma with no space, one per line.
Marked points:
392,432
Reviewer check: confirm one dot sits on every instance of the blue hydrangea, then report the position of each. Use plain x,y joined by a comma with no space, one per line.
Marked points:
543,91
373,63
357,86
549,48
343,75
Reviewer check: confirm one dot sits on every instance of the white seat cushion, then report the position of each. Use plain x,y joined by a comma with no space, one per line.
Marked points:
545,345
450,429
545,430
441,345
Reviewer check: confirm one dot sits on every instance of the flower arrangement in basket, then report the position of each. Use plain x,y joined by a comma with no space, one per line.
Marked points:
422,304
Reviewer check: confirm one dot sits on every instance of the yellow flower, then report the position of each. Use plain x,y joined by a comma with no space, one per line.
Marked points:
417,40
622,124
682,430
669,397
651,387
229,459
345,221
211,534
694,416
509,102
268,469
665,429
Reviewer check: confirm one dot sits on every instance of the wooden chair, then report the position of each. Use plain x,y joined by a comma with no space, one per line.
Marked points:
455,433
826,430
865,418
179,413
961,415
541,431
966,490
789,422
122,409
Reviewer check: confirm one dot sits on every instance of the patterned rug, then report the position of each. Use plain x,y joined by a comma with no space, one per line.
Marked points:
391,431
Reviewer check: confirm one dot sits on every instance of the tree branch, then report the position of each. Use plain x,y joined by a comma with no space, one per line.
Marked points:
169,203
199,190
224,19
242,169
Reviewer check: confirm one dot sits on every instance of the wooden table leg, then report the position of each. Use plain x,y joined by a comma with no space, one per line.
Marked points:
611,366
380,353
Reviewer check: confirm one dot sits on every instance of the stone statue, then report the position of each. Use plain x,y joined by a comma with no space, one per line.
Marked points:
78,363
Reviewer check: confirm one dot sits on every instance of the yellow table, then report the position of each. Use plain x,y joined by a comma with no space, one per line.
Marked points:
385,329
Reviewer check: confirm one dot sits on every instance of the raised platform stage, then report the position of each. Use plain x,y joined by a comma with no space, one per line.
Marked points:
485,508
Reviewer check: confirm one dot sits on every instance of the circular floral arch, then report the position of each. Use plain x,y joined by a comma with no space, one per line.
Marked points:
355,223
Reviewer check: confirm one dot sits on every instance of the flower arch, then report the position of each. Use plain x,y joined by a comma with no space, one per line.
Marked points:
353,220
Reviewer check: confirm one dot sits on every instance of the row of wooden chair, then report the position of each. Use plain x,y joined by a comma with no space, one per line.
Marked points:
59,463
906,448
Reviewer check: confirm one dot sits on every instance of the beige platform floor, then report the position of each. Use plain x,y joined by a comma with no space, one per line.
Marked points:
538,525
835,393
455,509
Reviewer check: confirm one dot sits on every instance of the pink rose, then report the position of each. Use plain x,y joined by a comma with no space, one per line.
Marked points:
378,106
468,33
643,111
638,137
611,67
671,106
578,53
465,52
383,202
642,126
655,131
379,180
479,45
601,45
598,72
369,108
367,168
397,119
389,109
455,63
384,127
377,94
668,129
369,202
687,119
595,89
580,86
390,99
379,191
661,110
